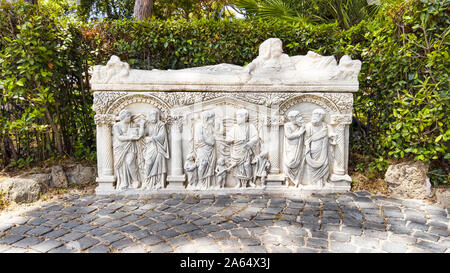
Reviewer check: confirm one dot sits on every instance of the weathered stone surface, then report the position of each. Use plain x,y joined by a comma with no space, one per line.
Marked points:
59,178
237,137
21,190
81,174
443,196
407,179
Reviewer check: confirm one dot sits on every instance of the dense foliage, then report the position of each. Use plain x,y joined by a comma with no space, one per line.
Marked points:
401,110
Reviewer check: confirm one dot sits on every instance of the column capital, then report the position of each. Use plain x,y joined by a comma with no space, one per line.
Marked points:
104,119
275,120
176,120
341,119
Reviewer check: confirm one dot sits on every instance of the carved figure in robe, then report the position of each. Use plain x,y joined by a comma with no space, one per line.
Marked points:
243,138
318,137
270,59
262,168
125,152
294,159
190,167
204,143
156,151
221,172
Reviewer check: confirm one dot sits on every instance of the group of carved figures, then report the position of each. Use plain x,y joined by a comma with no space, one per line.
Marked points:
141,151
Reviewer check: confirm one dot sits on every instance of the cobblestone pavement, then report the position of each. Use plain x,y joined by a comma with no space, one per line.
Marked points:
352,222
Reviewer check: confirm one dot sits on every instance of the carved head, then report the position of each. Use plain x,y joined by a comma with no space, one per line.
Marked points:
208,117
318,115
153,116
125,116
263,154
271,48
293,115
190,157
241,116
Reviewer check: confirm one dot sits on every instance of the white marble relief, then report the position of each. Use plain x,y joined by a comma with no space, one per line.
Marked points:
281,122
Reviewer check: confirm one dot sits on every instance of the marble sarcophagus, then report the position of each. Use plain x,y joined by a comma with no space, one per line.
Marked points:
281,123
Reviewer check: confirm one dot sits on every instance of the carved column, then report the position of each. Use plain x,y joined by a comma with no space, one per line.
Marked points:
274,179
176,177
340,171
105,159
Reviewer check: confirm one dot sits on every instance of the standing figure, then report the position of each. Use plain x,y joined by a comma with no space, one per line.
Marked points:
244,138
317,140
156,151
204,142
190,167
294,160
125,152
262,168
221,173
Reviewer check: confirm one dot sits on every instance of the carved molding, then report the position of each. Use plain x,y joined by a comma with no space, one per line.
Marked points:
104,119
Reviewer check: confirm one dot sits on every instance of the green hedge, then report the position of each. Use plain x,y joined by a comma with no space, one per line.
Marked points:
401,110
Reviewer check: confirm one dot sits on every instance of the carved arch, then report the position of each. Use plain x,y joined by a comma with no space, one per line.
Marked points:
321,101
126,100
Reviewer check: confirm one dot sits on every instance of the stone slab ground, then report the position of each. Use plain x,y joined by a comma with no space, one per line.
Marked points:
350,222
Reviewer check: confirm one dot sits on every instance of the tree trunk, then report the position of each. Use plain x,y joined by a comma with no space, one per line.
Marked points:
143,9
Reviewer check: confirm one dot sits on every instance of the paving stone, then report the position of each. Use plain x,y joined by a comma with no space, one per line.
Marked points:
71,224
83,243
72,236
144,222
417,226
39,231
317,243
151,240
157,227
365,242
28,242
36,221
5,226
426,236
433,247
63,249
99,249
161,248
440,232
111,237
169,233
98,232
134,249
250,241
15,250
56,233
340,236
121,244
46,245
11,239
305,250
140,234
392,247
256,249
115,224
20,230
129,229
341,247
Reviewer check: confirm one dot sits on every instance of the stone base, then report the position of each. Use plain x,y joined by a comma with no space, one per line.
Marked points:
105,184
176,181
275,180
282,191
340,178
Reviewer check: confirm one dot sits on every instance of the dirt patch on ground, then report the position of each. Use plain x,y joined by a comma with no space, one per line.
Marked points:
7,208
373,185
